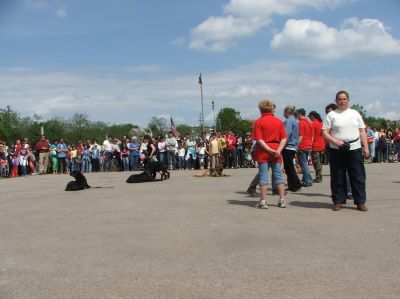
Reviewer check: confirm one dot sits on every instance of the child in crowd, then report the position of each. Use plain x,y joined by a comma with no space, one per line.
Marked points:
181,157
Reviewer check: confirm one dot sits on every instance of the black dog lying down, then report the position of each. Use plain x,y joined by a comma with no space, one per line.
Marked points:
150,174
80,182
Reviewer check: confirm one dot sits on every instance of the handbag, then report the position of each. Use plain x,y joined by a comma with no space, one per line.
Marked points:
153,159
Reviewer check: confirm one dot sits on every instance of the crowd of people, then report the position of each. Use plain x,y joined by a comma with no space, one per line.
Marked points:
342,140
130,154
304,146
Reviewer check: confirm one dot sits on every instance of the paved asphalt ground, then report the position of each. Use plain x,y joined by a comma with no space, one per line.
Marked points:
192,237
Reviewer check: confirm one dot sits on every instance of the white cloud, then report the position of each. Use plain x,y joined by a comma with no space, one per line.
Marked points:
148,68
62,12
356,38
36,4
245,17
178,42
117,98
216,34
268,8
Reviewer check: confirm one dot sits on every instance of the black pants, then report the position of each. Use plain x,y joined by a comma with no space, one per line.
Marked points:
292,178
353,162
95,165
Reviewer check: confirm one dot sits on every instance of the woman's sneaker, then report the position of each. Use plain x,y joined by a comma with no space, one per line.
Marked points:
262,204
281,203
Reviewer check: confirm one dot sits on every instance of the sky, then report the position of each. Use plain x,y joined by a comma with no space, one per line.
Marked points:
126,61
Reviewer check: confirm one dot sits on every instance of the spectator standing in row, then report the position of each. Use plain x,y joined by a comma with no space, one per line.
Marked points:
162,150
371,143
134,149
62,150
291,147
124,155
318,145
231,150
95,156
305,142
108,146
172,146
43,148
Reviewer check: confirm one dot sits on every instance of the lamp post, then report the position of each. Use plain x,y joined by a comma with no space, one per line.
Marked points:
202,106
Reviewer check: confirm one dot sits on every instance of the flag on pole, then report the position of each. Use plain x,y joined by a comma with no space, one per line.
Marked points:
175,132
200,81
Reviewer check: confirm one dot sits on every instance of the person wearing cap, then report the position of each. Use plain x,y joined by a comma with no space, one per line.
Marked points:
318,145
43,147
306,133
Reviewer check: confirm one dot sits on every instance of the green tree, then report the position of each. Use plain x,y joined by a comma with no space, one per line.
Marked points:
184,129
360,109
228,119
158,126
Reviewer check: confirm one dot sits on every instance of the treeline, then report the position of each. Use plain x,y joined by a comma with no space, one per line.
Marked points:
78,127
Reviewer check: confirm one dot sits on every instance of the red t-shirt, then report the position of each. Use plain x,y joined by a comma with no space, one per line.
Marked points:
270,129
307,131
318,144
230,142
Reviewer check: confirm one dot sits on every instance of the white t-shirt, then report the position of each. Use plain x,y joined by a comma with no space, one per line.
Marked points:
181,152
345,125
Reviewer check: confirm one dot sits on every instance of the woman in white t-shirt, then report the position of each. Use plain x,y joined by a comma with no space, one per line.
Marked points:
344,129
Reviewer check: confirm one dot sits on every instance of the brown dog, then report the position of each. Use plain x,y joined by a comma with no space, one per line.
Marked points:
218,171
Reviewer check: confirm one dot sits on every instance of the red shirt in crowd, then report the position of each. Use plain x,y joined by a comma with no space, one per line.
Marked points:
318,144
306,130
230,142
271,130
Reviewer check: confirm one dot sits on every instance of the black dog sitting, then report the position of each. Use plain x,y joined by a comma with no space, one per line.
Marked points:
155,166
152,168
142,177
80,182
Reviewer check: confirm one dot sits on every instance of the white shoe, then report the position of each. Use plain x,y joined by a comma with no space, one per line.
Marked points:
262,205
281,203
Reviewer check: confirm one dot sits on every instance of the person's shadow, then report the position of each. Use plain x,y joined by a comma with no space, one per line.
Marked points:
311,204
247,203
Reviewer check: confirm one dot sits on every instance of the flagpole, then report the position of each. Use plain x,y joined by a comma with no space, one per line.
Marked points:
202,106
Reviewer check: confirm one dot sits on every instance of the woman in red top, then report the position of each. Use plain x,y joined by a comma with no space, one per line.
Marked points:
270,135
318,145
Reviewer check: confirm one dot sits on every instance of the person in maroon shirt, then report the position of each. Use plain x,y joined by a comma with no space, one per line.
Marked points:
306,133
43,148
270,135
318,145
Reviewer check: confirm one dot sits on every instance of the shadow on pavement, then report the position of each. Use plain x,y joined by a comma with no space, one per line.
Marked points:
310,194
311,204
248,203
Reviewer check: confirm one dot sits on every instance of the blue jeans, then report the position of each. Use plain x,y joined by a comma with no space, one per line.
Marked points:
125,163
162,157
303,161
134,162
182,162
86,164
277,178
